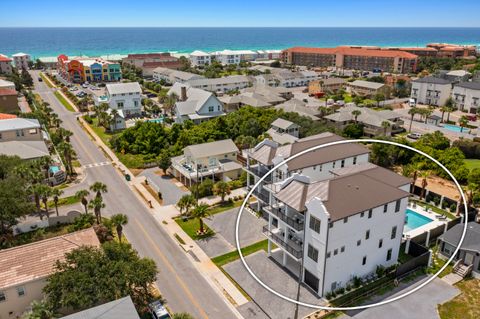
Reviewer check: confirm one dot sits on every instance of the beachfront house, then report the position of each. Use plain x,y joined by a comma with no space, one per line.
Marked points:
431,90
466,96
200,58
21,60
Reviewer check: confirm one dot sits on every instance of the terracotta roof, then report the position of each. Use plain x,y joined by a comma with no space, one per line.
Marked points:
355,51
166,64
4,58
7,92
34,261
5,116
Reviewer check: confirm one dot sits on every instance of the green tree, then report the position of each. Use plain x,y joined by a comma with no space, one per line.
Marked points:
39,310
26,78
185,203
45,193
463,122
119,220
99,188
412,113
378,98
182,315
385,125
356,114
82,196
97,204
353,130
200,212
222,189
100,275
56,193
424,175
68,153
164,161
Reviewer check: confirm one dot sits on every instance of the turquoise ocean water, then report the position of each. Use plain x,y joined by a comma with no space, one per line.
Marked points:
41,42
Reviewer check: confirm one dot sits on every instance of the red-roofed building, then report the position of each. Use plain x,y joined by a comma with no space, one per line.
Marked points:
5,64
5,116
356,58
150,61
8,100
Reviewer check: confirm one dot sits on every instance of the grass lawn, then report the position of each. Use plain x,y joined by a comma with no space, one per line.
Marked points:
233,255
220,208
69,200
190,227
465,305
65,103
438,263
101,132
472,163
47,82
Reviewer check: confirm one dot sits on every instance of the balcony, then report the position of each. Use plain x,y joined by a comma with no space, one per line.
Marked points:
292,246
260,171
262,195
295,222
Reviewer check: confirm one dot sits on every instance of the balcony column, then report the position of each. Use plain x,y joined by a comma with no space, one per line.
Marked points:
284,260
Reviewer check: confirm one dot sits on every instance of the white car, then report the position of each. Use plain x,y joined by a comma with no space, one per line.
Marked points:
412,103
158,311
414,136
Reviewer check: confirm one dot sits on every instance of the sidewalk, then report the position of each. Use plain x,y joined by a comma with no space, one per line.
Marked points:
163,214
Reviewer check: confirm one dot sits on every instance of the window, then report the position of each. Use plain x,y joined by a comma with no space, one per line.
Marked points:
385,208
21,291
120,105
333,165
330,224
335,252
312,253
210,109
380,243
389,254
342,163
342,249
0,136
320,168
364,260
362,214
345,220
3,297
370,213
328,254
397,206
359,242
394,232
354,160
314,224
135,103
367,234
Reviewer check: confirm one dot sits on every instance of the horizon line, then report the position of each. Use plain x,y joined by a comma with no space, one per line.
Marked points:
246,27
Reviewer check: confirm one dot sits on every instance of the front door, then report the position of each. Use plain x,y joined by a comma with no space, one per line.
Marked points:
468,259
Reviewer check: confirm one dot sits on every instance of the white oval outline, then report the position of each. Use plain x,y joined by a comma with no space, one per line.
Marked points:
242,258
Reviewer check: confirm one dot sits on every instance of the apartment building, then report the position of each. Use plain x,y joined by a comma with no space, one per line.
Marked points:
84,69
326,85
447,50
227,57
431,90
8,100
148,62
367,88
33,263
172,76
5,64
194,104
223,84
466,96
287,78
216,160
200,58
22,137
125,97
355,58
21,60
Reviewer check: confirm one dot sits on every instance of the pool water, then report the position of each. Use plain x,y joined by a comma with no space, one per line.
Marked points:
455,128
159,120
54,169
414,220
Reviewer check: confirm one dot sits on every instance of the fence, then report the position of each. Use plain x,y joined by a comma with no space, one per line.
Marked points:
52,221
421,256
434,233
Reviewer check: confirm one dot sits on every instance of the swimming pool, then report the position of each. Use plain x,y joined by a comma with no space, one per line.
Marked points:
159,120
54,169
414,220
455,128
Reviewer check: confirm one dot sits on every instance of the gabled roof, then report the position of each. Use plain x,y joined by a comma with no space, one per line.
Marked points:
120,308
432,80
199,53
351,51
472,237
283,124
22,264
4,58
376,172
18,123
7,92
123,88
196,98
212,149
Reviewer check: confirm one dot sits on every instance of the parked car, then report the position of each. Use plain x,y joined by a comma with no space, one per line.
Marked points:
158,311
412,103
40,79
472,118
73,88
414,136
85,85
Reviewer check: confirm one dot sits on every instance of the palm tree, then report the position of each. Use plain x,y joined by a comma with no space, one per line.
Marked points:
379,97
385,125
222,189
82,195
113,123
412,113
200,212
424,175
45,193
36,190
169,102
99,188
45,162
181,315
119,220
56,193
185,203
97,204
463,122
356,114
68,153
427,113
40,310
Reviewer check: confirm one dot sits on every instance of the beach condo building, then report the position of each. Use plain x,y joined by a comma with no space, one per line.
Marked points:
84,69
431,90
196,105
200,58
5,64
148,62
333,215
466,96
21,60
172,76
354,58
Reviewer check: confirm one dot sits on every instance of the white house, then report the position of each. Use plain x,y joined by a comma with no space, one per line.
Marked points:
287,78
226,57
20,60
7,85
200,58
431,90
195,104
224,84
172,76
125,97
466,96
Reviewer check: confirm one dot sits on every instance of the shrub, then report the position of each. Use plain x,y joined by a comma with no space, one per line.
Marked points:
328,295
453,207
380,271
88,119
357,281
348,287
340,291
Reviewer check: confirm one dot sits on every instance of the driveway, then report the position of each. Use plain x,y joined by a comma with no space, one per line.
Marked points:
420,305
171,189
250,232
278,279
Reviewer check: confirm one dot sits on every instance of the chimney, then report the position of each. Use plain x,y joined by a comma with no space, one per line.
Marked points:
183,93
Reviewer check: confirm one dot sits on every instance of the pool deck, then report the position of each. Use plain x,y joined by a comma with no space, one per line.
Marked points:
424,228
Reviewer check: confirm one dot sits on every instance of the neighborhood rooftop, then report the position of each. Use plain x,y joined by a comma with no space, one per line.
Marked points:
432,80
472,236
120,308
212,148
121,88
18,124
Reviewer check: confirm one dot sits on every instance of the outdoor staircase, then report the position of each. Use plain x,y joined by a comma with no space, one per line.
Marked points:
462,270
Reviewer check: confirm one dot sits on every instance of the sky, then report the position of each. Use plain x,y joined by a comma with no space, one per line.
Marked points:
243,13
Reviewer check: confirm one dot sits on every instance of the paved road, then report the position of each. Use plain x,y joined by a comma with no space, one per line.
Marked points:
181,284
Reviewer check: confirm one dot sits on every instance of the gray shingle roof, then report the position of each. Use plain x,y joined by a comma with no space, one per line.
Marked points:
472,237
18,124
120,308
24,149
212,148
469,85
367,84
122,88
432,80
282,123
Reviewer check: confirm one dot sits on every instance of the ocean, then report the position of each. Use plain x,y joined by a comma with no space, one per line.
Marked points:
48,42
